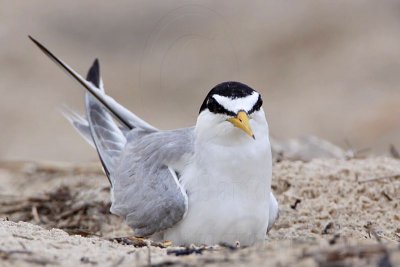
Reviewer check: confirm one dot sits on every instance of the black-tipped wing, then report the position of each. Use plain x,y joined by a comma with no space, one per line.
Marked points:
140,161
93,74
123,115
107,137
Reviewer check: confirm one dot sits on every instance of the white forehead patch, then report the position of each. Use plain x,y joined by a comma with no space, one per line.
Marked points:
237,104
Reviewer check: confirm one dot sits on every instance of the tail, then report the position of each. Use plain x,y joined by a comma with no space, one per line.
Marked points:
99,129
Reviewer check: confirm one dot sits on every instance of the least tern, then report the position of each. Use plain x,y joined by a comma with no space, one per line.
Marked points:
203,185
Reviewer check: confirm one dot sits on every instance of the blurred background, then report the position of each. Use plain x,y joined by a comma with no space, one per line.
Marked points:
327,68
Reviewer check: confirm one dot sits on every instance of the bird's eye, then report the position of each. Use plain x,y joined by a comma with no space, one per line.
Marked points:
257,106
212,105
215,107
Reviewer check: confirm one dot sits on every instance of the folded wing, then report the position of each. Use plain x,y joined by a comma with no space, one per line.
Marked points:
147,192
141,162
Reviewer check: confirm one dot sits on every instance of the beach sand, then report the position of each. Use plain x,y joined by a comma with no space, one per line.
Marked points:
332,213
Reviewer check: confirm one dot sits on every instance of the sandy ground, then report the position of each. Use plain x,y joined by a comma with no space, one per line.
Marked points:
327,68
332,213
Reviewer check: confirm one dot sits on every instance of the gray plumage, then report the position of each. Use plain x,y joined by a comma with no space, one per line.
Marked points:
145,191
159,200
107,137
142,163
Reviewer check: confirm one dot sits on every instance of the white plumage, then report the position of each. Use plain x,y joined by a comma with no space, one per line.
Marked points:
204,185
235,105
229,198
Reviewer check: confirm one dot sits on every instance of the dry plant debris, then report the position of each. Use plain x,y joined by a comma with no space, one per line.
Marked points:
62,208
332,213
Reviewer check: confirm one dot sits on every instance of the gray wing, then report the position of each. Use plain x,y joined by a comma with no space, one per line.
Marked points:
147,191
79,123
124,116
141,162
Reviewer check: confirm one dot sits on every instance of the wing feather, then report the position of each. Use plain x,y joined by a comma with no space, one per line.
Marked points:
122,114
147,192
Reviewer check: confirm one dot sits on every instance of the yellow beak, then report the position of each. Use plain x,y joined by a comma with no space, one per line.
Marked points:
242,122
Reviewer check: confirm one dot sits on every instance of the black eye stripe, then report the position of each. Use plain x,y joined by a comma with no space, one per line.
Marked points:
232,90
257,106
215,107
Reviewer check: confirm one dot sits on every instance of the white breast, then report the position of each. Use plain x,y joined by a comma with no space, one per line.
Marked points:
228,187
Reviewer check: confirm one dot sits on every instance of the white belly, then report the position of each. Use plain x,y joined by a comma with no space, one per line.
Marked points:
225,215
228,183
228,201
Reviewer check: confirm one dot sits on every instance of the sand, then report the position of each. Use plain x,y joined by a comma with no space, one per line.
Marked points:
332,213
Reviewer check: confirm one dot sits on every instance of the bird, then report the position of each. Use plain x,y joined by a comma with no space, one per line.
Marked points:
202,185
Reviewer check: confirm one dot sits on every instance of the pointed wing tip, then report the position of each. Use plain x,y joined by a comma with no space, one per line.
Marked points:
31,38
96,65
35,42
94,73
45,50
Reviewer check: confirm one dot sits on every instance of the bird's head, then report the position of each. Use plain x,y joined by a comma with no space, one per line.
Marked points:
231,108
